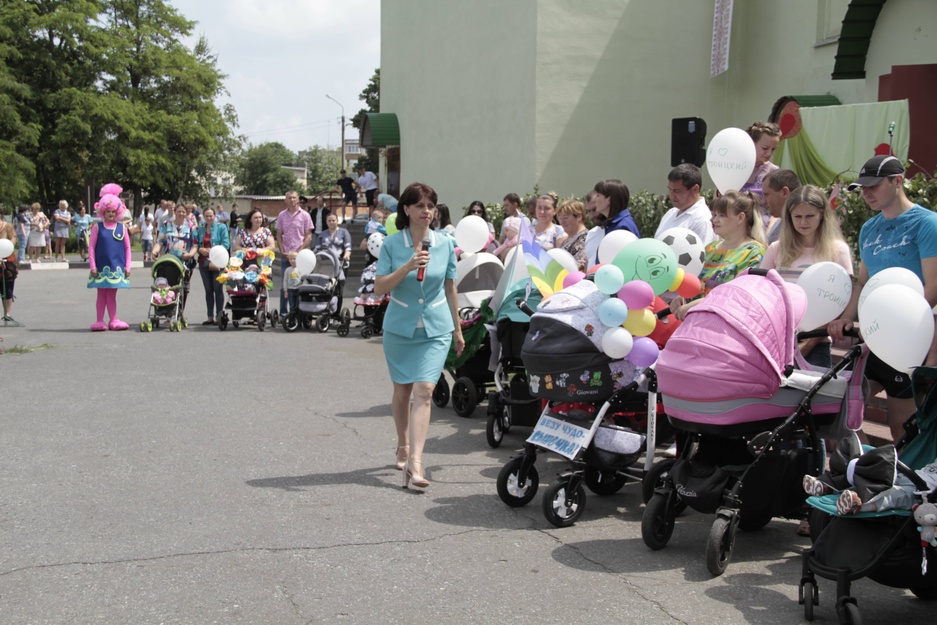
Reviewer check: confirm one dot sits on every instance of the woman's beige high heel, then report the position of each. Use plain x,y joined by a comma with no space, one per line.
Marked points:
416,477
403,452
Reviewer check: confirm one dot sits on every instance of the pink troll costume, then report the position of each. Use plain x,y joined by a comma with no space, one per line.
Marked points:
109,255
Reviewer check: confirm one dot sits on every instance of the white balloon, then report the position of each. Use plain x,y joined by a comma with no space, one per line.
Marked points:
564,258
6,247
891,275
898,325
218,256
472,233
730,159
687,246
375,243
617,343
306,261
614,242
828,287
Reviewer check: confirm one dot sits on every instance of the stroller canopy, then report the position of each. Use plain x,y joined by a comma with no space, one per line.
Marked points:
477,278
170,267
327,263
736,343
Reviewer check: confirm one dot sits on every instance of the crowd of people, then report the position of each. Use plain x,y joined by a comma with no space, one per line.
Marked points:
773,222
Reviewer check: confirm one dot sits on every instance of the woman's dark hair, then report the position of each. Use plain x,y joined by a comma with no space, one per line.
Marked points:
410,196
618,193
477,204
442,216
250,216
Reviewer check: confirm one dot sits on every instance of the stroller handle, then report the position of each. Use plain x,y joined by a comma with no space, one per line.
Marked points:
522,305
821,333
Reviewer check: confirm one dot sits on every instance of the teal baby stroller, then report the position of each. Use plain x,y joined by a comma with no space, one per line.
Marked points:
884,546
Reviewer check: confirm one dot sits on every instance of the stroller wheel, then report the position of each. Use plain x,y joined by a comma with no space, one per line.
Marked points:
509,489
322,323
603,483
274,318
291,323
848,611
185,322
223,323
464,397
720,545
143,326
561,507
809,597
261,320
367,332
440,393
342,330
493,431
345,317
658,520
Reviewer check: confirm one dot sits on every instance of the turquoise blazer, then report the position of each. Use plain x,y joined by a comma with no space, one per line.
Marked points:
411,299
219,235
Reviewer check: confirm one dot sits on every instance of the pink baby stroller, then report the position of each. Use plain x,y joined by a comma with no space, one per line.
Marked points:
749,424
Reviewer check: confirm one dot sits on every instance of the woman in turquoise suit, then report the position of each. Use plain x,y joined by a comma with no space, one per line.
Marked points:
418,268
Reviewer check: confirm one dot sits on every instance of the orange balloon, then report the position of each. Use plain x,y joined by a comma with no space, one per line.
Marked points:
690,287
595,268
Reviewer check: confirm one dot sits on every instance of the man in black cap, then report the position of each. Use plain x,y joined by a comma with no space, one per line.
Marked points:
902,234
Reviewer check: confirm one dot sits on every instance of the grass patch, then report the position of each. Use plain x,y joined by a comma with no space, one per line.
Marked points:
23,349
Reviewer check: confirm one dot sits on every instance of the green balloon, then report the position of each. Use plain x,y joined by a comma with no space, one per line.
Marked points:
650,260
391,224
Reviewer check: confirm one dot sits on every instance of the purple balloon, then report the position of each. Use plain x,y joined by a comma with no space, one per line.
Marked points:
636,294
644,353
572,278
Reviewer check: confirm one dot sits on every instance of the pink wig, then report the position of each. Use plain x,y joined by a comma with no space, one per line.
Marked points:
110,201
111,188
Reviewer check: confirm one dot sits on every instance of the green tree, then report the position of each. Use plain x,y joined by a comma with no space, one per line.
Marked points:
371,96
322,168
16,171
261,172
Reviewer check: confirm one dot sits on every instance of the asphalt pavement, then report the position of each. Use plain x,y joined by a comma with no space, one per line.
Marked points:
247,477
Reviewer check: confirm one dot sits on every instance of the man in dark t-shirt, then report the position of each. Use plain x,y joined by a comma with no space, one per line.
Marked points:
349,194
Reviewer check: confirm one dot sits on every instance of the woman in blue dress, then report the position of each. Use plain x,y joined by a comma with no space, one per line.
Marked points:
418,268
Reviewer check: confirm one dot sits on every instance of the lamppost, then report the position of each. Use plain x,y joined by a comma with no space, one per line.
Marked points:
341,158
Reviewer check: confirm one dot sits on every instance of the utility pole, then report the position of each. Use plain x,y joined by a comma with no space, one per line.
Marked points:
341,151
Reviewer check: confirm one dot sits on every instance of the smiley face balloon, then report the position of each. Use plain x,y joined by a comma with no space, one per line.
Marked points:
650,260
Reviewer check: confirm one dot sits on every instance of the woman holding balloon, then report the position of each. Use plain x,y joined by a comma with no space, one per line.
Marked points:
739,244
210,234
809,234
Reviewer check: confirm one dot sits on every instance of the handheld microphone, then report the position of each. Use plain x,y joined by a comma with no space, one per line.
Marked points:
424,245
891,128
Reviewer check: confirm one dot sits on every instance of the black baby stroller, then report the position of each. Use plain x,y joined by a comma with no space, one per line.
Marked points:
247,280
167,303
596,416
884,546
748,422
511,403
318,294
369,308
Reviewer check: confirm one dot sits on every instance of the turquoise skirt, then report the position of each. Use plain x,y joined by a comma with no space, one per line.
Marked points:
417,359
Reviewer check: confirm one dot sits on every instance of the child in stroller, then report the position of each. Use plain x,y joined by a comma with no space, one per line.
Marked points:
595,414
247,278
369,308
319,294
749,424
170,289
891,544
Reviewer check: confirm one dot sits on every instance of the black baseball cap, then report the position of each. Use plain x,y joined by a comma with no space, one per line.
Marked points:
875,169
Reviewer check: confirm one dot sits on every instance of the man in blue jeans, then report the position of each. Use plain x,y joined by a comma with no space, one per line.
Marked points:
294,233
22,230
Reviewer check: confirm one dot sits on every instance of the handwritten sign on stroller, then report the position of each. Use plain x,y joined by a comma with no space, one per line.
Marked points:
561,437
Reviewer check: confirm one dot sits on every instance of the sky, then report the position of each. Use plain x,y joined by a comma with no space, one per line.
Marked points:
282,57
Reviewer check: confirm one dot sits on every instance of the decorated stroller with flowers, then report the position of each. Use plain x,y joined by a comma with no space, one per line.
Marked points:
247,279
749,424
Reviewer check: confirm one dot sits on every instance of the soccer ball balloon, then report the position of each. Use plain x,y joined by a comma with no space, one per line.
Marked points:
688,247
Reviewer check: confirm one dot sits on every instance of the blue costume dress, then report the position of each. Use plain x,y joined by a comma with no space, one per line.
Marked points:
418,323
109,256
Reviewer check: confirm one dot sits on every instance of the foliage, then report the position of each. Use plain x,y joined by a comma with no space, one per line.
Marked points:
114,95
260,170
16,171
322,167
371,96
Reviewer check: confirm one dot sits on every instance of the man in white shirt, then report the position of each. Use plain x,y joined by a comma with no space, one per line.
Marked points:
689,209
163,214
368,182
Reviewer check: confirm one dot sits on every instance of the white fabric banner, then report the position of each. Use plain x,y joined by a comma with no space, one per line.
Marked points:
722,33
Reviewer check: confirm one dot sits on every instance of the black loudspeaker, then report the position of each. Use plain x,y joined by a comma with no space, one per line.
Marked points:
688,141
